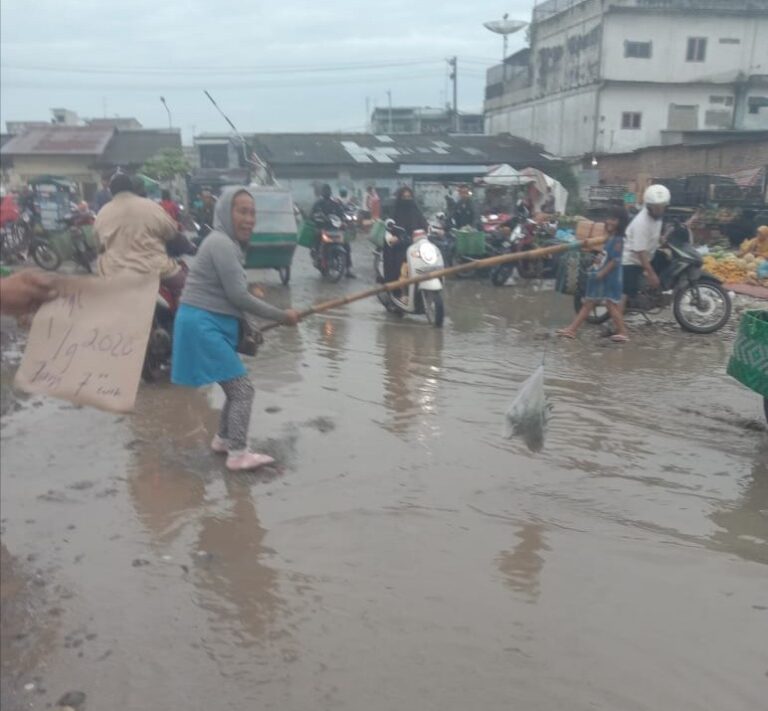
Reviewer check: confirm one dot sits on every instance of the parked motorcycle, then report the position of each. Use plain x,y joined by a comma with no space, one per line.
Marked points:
160,344
699,302
329,255
527,235
440,234
422,257
47,256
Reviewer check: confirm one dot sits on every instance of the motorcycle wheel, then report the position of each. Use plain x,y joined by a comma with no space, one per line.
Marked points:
285,275
337,265
597,316
45,256
703,307
434,308
500,275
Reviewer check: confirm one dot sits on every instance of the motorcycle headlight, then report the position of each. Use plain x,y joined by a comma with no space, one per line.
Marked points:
428,253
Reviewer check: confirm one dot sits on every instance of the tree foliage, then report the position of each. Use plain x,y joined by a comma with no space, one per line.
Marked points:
166,165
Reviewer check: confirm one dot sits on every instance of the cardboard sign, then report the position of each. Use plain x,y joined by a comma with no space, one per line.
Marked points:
88,345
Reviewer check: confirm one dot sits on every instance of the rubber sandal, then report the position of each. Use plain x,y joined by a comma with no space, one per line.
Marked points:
563,333
618,338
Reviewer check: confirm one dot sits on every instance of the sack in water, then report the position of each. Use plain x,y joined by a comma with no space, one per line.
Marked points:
528,415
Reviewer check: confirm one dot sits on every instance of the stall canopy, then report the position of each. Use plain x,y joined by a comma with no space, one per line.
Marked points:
542,184
503,175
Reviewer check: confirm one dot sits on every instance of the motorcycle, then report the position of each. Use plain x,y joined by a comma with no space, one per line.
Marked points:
351,219
329,257
493,221
527,235
699,302
439,233
160,344
46,255
422,257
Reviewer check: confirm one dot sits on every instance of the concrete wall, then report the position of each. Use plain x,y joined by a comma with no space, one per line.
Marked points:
669,33
563,124
636,169
653,102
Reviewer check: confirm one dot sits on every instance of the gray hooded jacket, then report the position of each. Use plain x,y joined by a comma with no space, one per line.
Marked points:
217,281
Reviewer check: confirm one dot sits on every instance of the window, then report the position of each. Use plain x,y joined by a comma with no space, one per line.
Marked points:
725,100
697,49
756,103
730,40
631,120
638,50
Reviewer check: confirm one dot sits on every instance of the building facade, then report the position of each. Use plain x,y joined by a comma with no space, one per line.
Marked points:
425,121
611,76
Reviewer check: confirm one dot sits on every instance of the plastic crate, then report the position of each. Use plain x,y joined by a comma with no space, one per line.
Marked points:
470,243
749,362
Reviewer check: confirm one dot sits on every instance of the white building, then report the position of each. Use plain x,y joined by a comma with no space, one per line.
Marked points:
611,76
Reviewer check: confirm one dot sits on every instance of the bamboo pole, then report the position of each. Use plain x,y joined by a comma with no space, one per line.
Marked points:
450,271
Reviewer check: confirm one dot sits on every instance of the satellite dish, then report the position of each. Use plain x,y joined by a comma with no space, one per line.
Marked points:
505,27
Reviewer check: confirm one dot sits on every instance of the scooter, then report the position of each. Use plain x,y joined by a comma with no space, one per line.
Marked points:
699,301
422,257
527,235
330,255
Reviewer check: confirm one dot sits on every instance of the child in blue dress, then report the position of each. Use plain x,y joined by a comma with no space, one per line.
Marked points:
604,281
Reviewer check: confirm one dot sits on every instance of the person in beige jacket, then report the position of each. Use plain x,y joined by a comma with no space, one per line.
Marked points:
133,233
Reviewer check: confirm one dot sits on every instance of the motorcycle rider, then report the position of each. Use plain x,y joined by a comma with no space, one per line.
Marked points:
406,215
326,205
134,233
464,214
643,239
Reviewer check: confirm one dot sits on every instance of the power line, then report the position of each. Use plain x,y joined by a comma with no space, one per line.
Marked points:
294,69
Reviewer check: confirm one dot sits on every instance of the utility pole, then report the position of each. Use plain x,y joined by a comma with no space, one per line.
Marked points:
367,113
170,119
452,63
389,98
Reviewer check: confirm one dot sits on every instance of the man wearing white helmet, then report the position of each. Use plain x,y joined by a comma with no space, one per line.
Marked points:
643,238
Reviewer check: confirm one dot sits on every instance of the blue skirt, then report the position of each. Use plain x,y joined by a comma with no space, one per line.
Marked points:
610,288
204,348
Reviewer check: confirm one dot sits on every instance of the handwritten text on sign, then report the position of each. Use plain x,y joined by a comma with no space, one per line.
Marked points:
88,345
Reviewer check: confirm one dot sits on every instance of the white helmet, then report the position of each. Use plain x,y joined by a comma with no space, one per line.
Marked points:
657,195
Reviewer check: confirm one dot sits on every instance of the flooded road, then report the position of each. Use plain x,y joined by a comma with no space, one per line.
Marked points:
404,555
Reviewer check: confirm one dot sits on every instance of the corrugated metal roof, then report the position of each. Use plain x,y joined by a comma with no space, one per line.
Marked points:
59,140
135,147
320,149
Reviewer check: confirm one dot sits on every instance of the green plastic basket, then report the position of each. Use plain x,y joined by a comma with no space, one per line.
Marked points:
376,235
749,362
470,243
307,234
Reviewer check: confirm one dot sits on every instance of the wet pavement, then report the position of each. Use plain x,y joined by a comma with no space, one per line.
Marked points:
403,555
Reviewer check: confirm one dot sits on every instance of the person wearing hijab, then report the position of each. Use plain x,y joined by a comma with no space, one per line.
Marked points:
207,325
406,215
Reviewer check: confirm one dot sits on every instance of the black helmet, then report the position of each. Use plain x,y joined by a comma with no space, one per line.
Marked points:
120,183
325,191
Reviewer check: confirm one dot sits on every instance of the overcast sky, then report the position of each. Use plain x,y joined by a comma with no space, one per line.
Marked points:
293,65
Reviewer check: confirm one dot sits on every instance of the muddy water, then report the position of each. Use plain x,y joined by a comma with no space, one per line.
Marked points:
404,555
